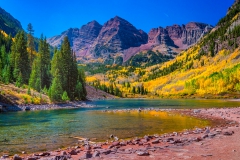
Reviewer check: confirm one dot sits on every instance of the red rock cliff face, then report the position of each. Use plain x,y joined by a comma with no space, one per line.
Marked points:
192,32
180,36
159,36
175,31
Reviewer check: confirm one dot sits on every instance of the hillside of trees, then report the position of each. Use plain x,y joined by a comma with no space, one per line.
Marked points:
209,69
22,65
148,59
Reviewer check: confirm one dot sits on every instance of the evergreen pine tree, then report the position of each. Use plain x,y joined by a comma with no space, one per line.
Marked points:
56,90
38,84
6,74
19,81
111,89
21,65
33,76
128,85
65,96
40,75
29,91
30,42
44,60
1,70
82,80
4,56
65,62
138,90
134,90
142,90
79,91
73,78
55,63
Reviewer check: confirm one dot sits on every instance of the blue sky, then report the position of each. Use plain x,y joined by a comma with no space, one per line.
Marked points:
51,17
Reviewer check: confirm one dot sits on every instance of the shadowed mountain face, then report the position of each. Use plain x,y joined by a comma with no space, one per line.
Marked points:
119,38
8,23
118,34
80,39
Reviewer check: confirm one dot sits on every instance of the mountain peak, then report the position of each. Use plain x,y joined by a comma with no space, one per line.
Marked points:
94,22
118,18
8,23
118,34
196,25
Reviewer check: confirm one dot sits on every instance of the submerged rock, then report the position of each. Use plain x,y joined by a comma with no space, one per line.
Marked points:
44,154
156,141
227,133
96,154
142,153
111,136
5,156
73,152
16,157
32,158
86,155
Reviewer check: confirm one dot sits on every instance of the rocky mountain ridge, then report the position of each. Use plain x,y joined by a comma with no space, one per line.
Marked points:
170,40
118,40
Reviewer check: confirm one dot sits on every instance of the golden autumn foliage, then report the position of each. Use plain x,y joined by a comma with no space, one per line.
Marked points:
218,75
3,33
21,95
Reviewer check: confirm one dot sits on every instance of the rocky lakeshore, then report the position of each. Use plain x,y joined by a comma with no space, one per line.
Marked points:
218,142
30,107
69,105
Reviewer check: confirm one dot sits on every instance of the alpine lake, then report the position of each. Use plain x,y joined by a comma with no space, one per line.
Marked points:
36,131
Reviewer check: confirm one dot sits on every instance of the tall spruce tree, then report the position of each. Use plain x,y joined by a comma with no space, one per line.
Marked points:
40,76
20,59
56,91
44,55
35,75
82,80
65,61
1,70
72,79
79,94
4,55
30,42
6,75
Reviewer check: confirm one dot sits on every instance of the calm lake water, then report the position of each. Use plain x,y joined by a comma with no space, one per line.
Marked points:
48,130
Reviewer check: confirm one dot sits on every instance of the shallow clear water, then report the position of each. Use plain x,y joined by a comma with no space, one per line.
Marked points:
48,130
166,103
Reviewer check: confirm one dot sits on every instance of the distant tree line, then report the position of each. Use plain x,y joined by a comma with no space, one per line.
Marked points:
111,89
